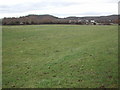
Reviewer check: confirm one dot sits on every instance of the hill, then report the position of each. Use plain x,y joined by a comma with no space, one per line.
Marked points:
49,19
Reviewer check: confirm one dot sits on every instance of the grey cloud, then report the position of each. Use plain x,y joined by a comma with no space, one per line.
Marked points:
24,7
112,1
84,14
20,8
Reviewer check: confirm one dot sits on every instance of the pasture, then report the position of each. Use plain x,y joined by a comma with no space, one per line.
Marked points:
60,56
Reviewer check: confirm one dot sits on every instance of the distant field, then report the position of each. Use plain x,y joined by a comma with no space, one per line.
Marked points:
60,56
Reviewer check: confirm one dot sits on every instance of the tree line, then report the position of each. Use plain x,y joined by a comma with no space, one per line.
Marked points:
49,19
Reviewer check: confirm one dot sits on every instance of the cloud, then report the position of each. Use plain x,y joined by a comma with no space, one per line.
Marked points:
60,8
33,6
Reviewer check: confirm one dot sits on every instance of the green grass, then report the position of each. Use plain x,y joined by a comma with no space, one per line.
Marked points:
60,56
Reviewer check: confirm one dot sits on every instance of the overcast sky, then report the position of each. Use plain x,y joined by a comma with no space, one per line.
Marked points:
60,8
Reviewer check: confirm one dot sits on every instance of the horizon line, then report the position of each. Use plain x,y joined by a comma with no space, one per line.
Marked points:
58,16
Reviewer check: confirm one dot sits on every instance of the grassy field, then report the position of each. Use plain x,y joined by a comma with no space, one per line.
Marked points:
60,56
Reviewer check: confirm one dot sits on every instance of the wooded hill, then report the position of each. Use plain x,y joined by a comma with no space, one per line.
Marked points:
49,19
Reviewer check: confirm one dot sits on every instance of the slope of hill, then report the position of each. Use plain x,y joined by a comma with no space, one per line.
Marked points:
111,18
49,19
